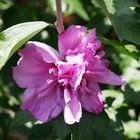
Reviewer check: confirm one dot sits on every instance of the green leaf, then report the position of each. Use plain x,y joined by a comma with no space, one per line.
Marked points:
131,72
16,36
124,18
115,134
2,37
5,4
115,129
78,8
132,129
21,118
116,96
60,128
93,126
98,127
129,50
131,96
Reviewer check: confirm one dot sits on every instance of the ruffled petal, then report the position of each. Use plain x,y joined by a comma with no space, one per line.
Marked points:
72,110
105,62
33,69
91,53
90,37
71,71
45,108
48,54
71,39
106,77
109,77
91,98
29,98
90,44
78,70
97,72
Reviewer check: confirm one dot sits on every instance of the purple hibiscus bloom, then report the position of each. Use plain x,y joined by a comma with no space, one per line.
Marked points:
66,81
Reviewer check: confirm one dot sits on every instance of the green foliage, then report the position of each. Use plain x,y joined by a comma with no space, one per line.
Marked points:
132,129
60,128
77,6
113,19
124,18
5,4
87,129
2,36
129,49
16,36
21,118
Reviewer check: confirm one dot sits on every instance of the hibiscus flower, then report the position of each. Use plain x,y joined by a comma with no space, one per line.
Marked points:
66,81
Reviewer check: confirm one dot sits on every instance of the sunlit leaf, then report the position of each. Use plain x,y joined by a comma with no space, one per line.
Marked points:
131,48
2,37
16,36
132,129
117,97
121,48
5,4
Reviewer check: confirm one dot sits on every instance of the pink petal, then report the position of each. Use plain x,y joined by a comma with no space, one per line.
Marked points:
29,98
105,76
32,70
109,77
77,76
78,70
105,62
100,54
70,39
46,86
97,72
90,50
97,44
90,41
91,98
72,110
67,96
71,71
75,59
45,108
48,54
90,37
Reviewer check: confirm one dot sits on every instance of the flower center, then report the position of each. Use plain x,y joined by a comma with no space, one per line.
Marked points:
71,71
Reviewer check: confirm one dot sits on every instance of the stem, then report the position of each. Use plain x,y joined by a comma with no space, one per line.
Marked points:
75,132
60,26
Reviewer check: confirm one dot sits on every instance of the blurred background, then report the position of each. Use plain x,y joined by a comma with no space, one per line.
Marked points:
121,118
